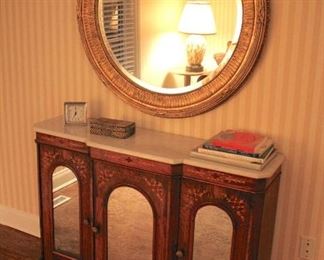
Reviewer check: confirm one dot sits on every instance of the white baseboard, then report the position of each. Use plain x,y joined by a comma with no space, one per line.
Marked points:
20,220
27,222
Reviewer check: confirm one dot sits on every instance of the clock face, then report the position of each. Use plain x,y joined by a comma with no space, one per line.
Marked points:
75,113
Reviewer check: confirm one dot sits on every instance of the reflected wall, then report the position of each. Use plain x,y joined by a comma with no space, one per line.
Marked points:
160,49
130,225
64,73
163,49
213,234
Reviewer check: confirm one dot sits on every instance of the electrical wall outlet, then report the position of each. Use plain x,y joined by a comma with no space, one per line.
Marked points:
307,247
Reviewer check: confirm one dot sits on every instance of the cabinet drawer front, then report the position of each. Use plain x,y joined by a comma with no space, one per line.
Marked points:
136,162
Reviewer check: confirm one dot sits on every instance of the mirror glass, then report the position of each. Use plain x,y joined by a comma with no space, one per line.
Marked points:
130,225
147,43
213,234
66,212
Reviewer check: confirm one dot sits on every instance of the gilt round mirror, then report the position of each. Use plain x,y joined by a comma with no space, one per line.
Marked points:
173,58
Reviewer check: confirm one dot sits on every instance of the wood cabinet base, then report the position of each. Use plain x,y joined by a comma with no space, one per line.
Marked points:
174,191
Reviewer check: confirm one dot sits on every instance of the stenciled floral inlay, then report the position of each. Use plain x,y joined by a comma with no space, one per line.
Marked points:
229,179
156,187
195,196
239,206
219,177
105,172
53,157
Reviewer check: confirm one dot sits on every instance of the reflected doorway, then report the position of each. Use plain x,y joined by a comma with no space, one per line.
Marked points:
66,212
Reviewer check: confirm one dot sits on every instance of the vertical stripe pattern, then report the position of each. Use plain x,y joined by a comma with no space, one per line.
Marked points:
43,64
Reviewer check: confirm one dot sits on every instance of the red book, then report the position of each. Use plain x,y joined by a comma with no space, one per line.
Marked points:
239,140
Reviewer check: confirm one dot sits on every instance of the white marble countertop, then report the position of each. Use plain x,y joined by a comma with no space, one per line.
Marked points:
152,145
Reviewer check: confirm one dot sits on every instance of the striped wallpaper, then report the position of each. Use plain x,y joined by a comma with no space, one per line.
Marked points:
43,64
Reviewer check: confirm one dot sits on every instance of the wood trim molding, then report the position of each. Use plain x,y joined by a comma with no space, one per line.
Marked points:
17,219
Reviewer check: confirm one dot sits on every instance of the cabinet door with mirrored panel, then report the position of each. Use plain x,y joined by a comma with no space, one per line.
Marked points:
213,222
135,211
65,204
124,215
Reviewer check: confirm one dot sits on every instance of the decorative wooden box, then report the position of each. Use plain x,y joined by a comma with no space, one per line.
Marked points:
111,127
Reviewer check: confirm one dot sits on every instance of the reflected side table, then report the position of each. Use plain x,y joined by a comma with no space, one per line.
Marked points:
188,75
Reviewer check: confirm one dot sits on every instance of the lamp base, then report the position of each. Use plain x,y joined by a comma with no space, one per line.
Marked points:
194,68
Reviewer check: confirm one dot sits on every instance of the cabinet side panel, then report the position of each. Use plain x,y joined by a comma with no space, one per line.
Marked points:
172,224
45,173
268,220
40,201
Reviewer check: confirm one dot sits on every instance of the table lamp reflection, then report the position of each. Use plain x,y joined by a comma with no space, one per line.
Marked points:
197,20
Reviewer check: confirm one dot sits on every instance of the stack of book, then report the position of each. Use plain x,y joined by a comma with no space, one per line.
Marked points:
238,148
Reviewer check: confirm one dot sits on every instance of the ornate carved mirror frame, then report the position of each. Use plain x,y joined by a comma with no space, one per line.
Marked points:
203,99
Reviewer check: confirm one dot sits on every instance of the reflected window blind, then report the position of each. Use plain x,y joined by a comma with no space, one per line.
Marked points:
119,17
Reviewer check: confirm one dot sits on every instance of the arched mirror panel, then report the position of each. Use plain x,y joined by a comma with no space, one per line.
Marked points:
130,225
213,231
144,50
66,208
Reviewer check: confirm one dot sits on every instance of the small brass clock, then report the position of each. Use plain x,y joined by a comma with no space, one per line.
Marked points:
75,113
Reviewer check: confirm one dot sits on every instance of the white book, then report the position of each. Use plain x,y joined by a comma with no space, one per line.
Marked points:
239,163
241,157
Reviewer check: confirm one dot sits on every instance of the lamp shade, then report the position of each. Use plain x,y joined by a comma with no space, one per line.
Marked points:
197,18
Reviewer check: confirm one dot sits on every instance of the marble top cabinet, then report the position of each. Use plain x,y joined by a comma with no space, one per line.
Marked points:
144,197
